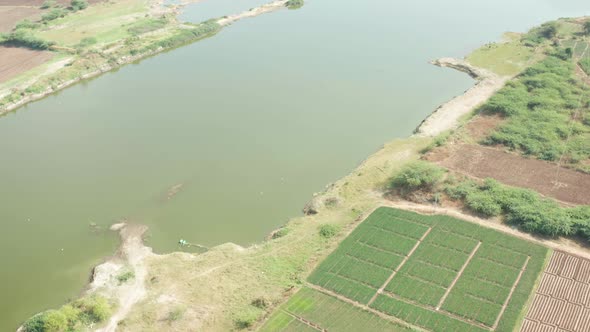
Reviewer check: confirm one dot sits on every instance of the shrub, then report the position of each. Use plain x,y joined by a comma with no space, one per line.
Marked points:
25,38
48,4
54,14
417,175
72,314
96,308
124,277
54,321
26,24
328,230
175,314
587,27
483,203
294,4
78,5
35,323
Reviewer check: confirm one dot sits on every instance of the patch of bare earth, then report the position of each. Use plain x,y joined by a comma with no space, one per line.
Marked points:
14,60
10,15
482,126
562,300
549,179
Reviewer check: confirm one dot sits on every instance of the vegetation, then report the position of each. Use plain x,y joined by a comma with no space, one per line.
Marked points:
70,317
54,14
295,4
48,4
27,24
521,207
124,277
545,108
585,64
327,312
77,5
25,38
587,27
366,259
147,25
328,230
540,34
417,175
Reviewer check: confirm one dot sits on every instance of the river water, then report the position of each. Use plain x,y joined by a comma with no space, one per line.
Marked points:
247,124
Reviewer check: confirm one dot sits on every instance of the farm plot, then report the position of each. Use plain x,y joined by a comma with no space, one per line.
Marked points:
434,272
562,301
310,310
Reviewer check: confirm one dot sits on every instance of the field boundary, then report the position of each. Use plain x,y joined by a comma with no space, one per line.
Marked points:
505,305
362,306
380,290
305,321
459,274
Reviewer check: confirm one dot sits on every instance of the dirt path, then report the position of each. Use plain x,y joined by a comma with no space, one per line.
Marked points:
556,244
131,255
447,116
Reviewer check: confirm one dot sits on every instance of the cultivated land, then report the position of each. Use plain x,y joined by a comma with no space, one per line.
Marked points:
433,272
562,300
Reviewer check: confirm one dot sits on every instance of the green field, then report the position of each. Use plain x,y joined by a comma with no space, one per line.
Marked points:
447,274
327,313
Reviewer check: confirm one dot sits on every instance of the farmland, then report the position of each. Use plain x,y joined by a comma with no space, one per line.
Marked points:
433,272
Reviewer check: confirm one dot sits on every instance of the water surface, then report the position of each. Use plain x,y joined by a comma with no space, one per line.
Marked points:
250,122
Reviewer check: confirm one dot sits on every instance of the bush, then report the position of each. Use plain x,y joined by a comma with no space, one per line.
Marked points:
124,277
294,4
48,4
25,38
54,321
96,308
26,24
54,14
78,5
587,27
417,175
328,230
35,323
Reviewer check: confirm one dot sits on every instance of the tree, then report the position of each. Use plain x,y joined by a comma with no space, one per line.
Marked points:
549,30
78,5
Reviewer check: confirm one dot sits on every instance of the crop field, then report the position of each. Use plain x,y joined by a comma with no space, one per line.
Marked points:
433,272
310,310
562,301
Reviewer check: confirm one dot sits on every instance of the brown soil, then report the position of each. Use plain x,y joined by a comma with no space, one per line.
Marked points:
563,297
549,179
10,15
482,126
14,61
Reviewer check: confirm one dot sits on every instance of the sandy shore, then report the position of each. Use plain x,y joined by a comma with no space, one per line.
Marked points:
446,117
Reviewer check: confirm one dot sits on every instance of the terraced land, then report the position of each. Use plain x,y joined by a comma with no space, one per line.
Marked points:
433,272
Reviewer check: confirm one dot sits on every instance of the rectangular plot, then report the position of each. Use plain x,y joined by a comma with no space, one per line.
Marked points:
387,241
404,215
415,290
480,289
362,272
428,272
490,271
450,240
403,227
501,255
381,258
583,274
472,308
425,318
446,258
348,288
278,322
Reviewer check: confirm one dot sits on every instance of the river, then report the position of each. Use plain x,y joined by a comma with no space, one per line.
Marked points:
243,127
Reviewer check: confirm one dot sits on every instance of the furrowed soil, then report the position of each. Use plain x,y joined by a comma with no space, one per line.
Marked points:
14,60
548,179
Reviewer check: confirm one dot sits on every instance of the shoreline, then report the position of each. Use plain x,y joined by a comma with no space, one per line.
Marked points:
125,60
446,117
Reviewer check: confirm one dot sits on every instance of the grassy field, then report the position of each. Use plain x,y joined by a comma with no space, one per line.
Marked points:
325,312
507,58
447,274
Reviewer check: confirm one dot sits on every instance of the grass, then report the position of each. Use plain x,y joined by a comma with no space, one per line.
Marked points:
326,312
507,58
107,22
421,283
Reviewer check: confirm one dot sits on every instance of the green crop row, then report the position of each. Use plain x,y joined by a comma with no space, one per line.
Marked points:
328,313
448,239
425,318
471,308
416,290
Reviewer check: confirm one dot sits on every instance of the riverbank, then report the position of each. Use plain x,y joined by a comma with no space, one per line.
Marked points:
86,65
215,290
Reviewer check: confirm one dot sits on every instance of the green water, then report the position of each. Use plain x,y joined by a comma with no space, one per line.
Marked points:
251,122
